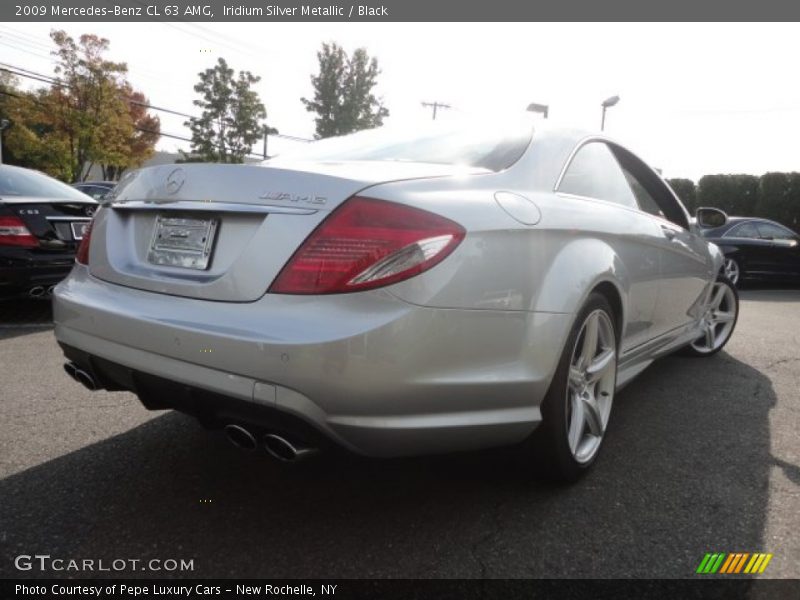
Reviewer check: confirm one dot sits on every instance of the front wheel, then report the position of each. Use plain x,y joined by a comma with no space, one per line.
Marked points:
732,270
719,320
577,407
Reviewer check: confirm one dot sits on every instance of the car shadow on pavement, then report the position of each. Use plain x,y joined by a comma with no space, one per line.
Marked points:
684,471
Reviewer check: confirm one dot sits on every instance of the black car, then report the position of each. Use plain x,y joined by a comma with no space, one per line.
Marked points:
757,249
41,224
96,189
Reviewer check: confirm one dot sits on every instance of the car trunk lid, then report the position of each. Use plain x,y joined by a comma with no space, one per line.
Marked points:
224,232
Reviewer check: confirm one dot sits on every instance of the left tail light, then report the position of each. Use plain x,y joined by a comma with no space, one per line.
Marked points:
14,233
82,255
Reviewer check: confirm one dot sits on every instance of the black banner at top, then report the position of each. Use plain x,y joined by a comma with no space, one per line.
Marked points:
396,10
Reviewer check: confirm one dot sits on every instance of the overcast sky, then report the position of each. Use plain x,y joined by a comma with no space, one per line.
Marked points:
695,98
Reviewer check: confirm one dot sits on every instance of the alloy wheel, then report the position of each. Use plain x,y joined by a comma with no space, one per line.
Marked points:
590,389
718,320
731,269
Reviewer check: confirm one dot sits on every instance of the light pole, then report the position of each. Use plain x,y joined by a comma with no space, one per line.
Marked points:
538,108
607,103
3,126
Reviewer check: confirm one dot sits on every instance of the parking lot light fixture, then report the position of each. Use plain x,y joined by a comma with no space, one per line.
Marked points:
607,103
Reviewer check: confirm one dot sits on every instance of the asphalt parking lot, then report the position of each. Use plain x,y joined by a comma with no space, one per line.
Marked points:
702,456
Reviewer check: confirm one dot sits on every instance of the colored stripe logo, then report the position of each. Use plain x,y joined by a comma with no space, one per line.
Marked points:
732,563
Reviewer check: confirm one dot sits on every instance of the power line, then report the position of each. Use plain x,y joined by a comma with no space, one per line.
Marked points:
21,72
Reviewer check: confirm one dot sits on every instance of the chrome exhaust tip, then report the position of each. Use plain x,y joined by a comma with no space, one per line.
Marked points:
70,369
36,291
282,449
240,437
81,376
50,290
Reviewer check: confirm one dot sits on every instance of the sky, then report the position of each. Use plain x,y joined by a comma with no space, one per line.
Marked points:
695,99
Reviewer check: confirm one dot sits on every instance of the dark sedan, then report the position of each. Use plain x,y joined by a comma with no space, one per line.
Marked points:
41,224
757,249
96,189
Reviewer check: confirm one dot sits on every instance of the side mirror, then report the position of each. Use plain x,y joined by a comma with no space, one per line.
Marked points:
711,217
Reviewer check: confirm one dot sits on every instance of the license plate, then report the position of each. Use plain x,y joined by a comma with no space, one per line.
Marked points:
79,229
182,242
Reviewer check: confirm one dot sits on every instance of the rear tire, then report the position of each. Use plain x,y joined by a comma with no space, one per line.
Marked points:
719,321
577,407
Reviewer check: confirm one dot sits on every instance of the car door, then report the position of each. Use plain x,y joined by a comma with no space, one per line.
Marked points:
782,248
686,265
594,173
743,243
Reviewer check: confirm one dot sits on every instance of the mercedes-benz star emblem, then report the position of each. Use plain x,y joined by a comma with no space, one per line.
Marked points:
175,180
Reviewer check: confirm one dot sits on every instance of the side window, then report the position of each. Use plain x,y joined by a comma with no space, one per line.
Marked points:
768,231
652,194
595,173
744,230
646,202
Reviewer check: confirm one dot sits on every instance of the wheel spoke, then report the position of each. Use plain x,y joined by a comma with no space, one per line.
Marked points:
589,341
710,337
576,423
724,317
592,415
718,296
600,365
575,377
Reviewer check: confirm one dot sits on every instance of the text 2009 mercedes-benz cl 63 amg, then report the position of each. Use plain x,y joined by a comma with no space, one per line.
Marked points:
397,293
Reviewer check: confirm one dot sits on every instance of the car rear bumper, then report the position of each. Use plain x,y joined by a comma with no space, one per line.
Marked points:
375,374
19,275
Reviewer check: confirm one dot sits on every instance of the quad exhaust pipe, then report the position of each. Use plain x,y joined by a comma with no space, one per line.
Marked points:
37,291
276,446
83,377
241,437
284,450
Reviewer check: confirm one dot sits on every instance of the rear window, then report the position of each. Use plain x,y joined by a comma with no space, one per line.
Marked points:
24,182
493,147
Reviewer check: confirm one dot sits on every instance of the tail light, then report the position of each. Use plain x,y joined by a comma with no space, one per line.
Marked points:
82,255
14,233
365,244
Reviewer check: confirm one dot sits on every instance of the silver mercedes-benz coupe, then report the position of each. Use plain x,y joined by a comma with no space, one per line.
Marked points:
397,292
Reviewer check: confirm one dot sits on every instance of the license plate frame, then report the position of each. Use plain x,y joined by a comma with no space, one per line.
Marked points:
78,229
186,242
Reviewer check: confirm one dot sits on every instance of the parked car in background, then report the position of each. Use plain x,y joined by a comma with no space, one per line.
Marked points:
757,249
397,292
42,221
96,189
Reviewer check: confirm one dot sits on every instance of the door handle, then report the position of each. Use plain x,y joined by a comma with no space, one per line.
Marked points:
669,233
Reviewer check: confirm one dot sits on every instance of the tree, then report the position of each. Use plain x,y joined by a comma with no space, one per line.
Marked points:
232,115
84,118
343,92
686,191
139,144
779,198
735,194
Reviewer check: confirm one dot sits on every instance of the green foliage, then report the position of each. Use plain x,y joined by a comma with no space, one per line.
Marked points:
686,191
82,119
343,92
735,194
231,119
779,198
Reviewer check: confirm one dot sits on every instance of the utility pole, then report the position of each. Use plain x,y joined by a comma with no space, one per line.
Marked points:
436,105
